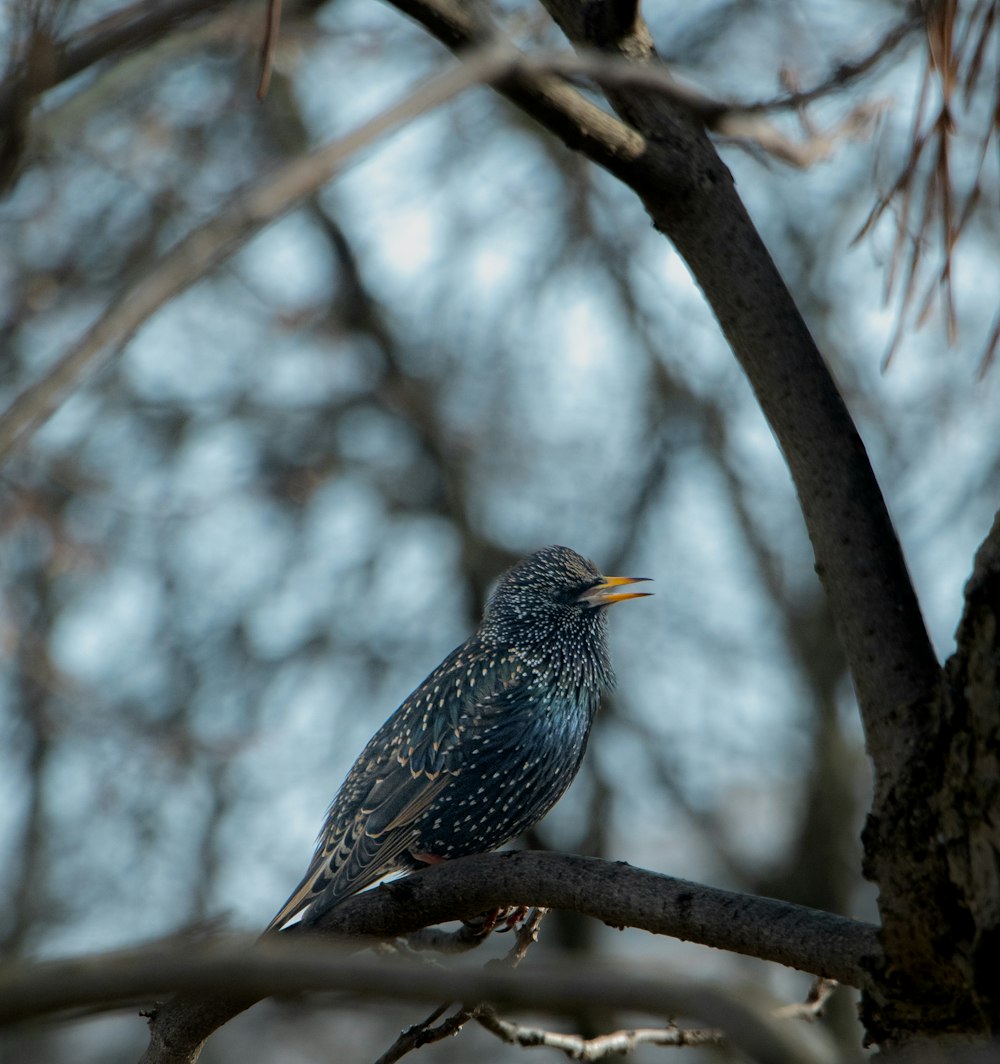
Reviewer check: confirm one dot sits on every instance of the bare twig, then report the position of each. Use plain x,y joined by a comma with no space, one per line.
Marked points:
812,1008
437,940
425,1033
271,30
429,1031
925,192
617,1043
844,73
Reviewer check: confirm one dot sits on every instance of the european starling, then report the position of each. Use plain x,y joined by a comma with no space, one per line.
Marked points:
485,746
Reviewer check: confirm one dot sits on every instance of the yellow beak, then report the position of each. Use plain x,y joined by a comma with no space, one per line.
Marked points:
603,594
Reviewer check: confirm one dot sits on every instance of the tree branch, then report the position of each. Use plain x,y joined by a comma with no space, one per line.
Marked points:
206,247
857,553
616,893
620,1043
691,198
613,1044
121,31
620,896
858,558
690,195
296,967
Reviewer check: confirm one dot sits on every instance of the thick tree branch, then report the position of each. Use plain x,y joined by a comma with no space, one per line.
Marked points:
899,685
691,197
619,895
857,553
615,893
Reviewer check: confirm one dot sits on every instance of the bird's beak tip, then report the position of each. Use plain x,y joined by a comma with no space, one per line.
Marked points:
603,594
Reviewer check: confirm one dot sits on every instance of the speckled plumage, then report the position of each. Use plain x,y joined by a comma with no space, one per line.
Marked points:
485,746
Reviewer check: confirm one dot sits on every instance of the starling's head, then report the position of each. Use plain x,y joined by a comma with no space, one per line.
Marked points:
554,596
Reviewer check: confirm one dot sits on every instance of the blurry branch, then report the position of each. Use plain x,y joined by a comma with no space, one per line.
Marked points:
31,677
45,62
437,940
844,73
291,968
735,119
265,201
815,869
924,195
211,244
145,21
826,821
763,139
121,31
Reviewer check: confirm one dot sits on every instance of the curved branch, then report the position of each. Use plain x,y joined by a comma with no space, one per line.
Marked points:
303,967
614,892
619,895
691,197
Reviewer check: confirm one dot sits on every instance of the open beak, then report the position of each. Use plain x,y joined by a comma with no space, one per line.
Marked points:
604,594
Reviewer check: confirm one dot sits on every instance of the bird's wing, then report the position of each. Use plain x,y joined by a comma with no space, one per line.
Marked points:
405,766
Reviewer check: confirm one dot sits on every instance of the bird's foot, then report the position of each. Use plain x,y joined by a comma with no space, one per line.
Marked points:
504,918
508,919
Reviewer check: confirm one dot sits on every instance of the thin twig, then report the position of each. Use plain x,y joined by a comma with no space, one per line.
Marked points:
617,1043
844,73
425,1032
812,1008
438,940
272,28
925,188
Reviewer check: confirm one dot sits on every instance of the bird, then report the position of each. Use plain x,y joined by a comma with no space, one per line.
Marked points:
485,746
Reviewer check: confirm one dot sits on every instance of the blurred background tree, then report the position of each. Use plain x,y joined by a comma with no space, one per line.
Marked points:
235,550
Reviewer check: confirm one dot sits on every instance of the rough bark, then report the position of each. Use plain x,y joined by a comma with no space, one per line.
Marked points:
934,845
